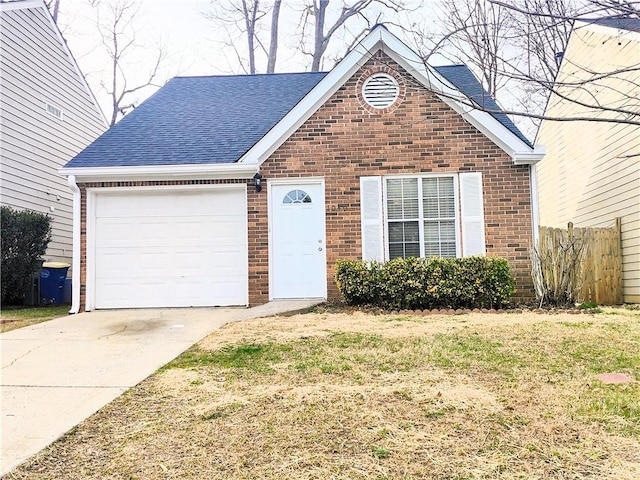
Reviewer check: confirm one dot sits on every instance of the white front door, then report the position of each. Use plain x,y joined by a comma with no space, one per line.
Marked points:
298,250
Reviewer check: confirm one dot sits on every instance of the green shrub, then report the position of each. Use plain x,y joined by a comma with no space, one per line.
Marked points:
416,283
24,238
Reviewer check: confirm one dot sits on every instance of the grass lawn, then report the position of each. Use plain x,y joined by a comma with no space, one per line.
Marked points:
359,396
18,317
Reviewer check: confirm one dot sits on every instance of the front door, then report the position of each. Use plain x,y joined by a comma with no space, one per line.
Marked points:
298,251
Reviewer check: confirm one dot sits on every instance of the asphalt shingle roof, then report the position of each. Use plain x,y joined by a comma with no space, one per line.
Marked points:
621,23
217,119
199,120
467,83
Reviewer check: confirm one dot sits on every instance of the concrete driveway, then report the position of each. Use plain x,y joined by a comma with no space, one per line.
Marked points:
57,373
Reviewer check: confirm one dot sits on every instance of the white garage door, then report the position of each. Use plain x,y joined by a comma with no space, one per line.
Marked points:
170,248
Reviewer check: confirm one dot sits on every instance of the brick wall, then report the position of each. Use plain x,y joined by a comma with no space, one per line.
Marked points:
346,139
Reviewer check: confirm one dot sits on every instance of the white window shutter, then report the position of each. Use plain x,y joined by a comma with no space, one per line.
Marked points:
371,218
472,210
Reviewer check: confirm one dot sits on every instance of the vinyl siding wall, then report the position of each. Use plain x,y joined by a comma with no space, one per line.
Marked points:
591,172
36,70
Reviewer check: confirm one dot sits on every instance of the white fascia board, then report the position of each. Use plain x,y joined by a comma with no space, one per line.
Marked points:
505,139
222,171
530,157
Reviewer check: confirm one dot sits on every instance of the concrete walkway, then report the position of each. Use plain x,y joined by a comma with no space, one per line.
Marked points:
56,374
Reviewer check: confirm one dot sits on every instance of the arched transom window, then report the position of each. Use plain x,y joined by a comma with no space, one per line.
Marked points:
296,196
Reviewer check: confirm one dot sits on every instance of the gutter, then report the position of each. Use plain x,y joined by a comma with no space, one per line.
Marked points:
75,264
530,157
161,172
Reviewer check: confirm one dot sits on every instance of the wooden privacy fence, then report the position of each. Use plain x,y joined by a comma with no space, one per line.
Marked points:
597,271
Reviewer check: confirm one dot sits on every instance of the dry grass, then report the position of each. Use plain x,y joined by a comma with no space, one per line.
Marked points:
357,396
19,317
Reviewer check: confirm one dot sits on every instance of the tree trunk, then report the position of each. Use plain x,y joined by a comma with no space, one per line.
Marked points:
273,44
250,24
318,38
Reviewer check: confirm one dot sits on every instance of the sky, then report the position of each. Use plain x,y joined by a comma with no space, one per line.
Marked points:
184,32
193,43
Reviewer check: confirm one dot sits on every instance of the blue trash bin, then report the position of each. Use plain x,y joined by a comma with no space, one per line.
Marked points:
52,278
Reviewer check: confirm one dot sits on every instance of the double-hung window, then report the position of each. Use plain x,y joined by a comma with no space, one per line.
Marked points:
423,215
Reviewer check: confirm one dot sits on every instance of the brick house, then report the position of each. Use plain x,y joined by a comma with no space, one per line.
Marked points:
236,190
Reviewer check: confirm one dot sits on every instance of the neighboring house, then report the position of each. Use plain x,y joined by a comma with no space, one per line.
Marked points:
591,172
235,190
47,115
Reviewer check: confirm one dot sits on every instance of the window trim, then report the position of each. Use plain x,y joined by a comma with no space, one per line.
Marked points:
421,218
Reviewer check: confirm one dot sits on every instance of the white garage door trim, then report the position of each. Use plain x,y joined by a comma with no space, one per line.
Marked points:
94,193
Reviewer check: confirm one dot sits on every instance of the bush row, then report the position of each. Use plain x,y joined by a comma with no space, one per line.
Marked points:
419,284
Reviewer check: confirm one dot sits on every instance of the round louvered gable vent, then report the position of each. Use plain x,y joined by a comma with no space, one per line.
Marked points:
380,90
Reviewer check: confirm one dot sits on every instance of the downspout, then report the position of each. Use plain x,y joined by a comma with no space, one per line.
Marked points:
534,202
75,264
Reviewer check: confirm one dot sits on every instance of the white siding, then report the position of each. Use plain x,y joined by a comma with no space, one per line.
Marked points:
591,172
36,69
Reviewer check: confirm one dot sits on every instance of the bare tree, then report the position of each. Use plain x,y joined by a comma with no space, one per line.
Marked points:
479,31
256,24
543,38
244,23
250,15
273,43
585,9
315,15
115,22
523,46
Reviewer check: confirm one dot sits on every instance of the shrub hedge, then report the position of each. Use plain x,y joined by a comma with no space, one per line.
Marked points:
24,236
420,284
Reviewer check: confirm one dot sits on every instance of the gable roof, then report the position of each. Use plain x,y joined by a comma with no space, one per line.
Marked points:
199,120
202,124
380,39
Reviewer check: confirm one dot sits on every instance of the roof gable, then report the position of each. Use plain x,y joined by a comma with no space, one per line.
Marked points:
41,18
497,127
